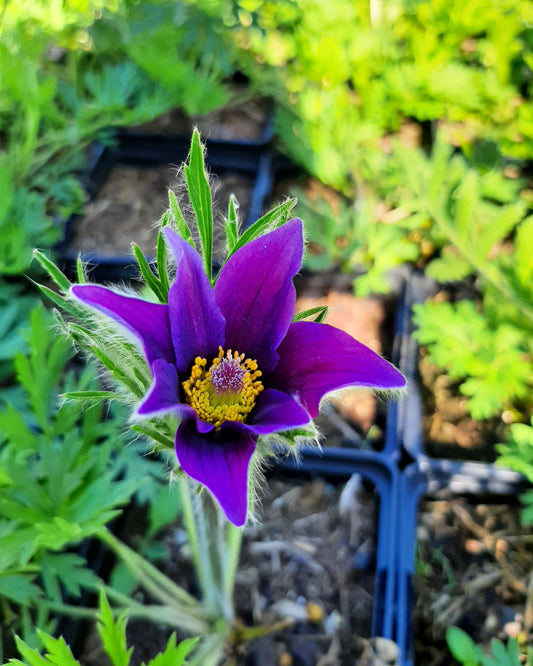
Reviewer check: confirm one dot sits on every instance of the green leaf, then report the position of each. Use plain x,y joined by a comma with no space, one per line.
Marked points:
467,198
154,433
68,569
19,588
122,579
174,655
503,655
19,544
274,218
200,196
118,373
320,311
32,657
150,279
90,396
231,223
113,633
56,298
164,507
57,533
16,430
179,220
497,226
161,257
517,452
58,652
463,647
449,267
53,271
80,273
526,516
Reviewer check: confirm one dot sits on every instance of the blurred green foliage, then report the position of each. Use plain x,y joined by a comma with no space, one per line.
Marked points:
64,474
112,632
419,114
468,653
348,73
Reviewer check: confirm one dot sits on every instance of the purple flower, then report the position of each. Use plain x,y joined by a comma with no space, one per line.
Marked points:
228,361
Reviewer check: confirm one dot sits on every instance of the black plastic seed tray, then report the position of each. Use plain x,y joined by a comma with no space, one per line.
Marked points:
426,476
254,167
340,465
402,475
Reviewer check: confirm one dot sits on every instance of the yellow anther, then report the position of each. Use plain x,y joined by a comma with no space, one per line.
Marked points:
226,391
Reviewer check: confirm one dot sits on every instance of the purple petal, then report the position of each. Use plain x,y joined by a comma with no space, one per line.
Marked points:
317,358
147,321
276,411
163,395
255,293
196,322
221,463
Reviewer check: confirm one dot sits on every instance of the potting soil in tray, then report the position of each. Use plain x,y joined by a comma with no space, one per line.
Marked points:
308,562
448,429
356,415
473,571
240,122
131,203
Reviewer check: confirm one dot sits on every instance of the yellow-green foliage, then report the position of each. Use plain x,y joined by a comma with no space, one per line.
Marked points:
353,71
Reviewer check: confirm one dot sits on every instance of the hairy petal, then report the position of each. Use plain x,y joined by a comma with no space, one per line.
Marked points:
255,293
316,359
220,462
148,322
274,411
196,323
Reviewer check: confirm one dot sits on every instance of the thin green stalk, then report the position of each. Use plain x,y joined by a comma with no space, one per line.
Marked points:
215,546
204,533
158,614
149,576
233,551
190,526
210,652
169,616
72,611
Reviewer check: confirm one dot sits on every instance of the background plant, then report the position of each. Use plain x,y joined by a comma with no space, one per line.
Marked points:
113,636
430,166
468,653
63,477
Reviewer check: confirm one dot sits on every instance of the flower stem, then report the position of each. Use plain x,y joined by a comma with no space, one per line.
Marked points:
201,531
211,651
215,546
153,580
233,551
153,613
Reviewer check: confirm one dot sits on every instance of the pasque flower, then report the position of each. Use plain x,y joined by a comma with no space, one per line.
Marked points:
229,361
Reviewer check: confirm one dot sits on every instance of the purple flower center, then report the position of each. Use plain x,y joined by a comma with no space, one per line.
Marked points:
226,391
228,375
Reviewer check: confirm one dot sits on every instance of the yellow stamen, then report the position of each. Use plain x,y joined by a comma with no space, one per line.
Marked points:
226,391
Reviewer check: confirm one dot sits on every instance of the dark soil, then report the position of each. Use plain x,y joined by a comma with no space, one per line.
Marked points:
240,122
473,571
308,562
131,203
